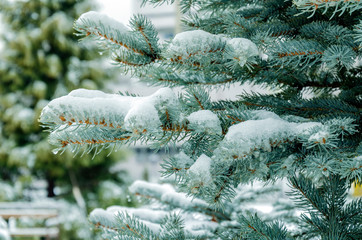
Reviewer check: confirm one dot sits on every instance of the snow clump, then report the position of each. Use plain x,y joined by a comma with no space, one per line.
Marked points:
101,19
205,121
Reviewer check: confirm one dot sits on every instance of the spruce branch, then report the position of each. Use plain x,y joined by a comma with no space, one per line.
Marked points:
308,6
254,228
358,33
306,129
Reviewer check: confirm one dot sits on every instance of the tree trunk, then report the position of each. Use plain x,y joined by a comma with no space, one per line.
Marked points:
50,188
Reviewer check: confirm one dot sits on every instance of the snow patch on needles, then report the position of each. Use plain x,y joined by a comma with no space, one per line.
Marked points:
183,161
319,137
192,40
188,44
102,217
252,133
205,121
146,214
101,19
182,201
142,115
152,190
199,173
243,49
91,107
265,133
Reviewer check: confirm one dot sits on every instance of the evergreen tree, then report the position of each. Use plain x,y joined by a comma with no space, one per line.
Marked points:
308,132
42,60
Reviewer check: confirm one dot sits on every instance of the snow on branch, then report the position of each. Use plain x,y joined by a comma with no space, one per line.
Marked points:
191,217
263,134
112,224
221,153
102,26
198,48
134,47
94,117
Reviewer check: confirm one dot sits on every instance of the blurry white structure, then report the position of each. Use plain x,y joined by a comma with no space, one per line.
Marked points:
166,18
144,163
119,10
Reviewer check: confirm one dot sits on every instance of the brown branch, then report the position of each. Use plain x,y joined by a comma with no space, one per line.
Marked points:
88,122
281,33
301,53
254,229
98,224
235,119
354,169
140,28
198,101
175,128
111,39
306,197
228,175
92,141
119,43
179,169
129,63
134,231
167,116
237,24
198,83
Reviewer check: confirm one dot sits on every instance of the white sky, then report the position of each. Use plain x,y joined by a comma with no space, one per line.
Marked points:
117,9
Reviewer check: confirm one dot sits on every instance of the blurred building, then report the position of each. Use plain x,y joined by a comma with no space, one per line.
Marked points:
144,163
166,18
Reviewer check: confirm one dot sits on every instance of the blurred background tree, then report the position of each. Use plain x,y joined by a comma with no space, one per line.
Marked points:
42,60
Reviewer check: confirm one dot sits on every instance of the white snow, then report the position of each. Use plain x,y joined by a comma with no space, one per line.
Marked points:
200,170
205,121
184,43
243,48
258,129
182,201
306,127
165,193
201,228
149,189
195,40
155,228
100,18
83,106
109,217
319,137
84,93
183,160
164,96
246,136
103,217
263,114
4,234
150,215
142,115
